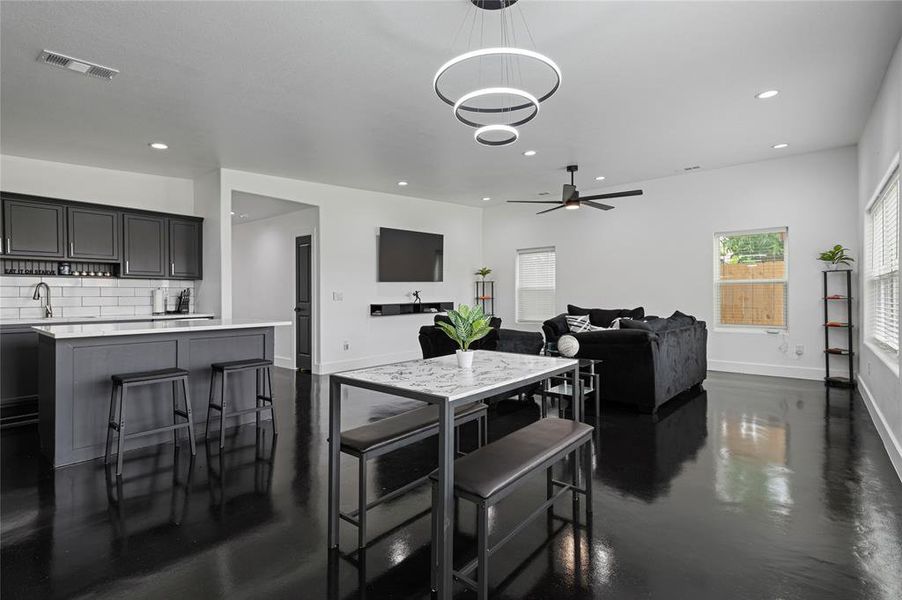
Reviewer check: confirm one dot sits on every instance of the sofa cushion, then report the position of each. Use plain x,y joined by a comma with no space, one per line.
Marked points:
635,324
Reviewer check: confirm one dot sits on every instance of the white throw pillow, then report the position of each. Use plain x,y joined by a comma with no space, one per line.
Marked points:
580,324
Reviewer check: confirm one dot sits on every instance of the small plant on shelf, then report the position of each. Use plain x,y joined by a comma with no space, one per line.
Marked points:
484,272
835,256
467,326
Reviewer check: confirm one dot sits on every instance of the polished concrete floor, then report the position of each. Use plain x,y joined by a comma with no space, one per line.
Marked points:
757,488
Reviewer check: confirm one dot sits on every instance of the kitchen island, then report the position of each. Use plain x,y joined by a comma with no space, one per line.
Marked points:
75,363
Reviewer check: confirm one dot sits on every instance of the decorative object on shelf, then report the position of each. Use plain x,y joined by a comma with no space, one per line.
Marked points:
846,296
467,325
568,346
570,197
416,297
484,272
835,257
486,85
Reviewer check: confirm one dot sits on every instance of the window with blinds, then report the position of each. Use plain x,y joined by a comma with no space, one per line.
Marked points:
535,284
882,267
751,279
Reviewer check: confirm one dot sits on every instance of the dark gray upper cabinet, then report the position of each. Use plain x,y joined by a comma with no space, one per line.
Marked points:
144,246
34,229
93,233
185,243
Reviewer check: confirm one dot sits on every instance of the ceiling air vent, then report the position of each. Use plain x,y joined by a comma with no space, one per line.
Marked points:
55,59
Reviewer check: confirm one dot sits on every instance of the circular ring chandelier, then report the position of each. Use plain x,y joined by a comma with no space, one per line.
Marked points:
513,135
531,101
506,97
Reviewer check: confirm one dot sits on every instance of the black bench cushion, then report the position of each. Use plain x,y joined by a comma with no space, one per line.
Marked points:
372,435
146,376
235,365
488,470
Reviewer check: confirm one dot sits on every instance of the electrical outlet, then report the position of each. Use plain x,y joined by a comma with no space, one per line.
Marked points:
800,349
345,346
338,296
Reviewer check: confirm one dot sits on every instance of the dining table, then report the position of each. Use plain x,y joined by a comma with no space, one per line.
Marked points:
440,382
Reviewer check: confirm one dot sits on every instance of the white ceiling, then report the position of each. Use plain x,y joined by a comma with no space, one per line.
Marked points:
340,92
248,207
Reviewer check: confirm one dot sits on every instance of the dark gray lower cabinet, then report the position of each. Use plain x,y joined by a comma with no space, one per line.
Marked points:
34,229
144,243
185,249
93,233
18,374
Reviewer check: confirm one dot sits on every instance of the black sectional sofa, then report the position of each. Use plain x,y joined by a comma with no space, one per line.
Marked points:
646,362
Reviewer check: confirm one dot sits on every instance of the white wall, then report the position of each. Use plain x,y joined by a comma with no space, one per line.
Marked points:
209,205
880,142
347,238
656,250
263,273
92,184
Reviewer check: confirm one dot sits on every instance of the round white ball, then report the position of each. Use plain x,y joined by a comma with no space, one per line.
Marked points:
568,346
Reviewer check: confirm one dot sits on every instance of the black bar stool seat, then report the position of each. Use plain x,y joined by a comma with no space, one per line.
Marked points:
263,401
122,382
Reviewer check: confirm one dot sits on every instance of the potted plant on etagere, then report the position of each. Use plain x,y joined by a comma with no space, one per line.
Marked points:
467,325
836,257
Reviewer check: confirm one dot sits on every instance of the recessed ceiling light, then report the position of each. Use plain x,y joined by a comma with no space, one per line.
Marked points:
529,153
780,146
402,183
158,145
766,94
486,198
599,178
544,193
232,212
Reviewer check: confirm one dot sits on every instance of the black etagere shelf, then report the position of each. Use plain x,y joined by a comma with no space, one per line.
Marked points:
485,296
831,351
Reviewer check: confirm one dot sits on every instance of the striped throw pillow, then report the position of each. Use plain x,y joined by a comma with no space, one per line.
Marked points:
580,324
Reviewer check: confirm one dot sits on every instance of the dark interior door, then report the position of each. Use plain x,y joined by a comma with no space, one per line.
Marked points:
303,302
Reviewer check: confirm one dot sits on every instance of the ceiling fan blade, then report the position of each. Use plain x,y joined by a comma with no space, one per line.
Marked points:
534,201
613,195
542,212
598,205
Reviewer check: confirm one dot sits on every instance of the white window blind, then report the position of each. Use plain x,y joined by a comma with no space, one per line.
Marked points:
882,267
751,279
535,284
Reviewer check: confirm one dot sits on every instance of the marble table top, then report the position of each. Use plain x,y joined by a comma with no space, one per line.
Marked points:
152,327
442,378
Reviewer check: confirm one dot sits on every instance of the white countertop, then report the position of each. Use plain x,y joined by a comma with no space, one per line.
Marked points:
181,326
442,378
107,319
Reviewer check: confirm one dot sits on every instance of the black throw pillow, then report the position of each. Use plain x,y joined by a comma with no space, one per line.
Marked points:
577,311
636,313
635,324
603,317
681,319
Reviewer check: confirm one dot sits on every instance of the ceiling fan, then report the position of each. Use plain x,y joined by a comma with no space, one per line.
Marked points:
570,197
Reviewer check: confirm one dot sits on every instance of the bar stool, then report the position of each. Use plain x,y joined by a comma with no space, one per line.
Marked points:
125,381
263,377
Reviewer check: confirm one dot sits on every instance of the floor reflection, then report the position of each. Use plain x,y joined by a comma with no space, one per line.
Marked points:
756,488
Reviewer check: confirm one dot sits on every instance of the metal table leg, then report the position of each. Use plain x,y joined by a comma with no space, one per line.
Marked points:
444,509
334,459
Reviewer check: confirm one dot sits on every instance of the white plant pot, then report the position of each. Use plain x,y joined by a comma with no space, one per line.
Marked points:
465,359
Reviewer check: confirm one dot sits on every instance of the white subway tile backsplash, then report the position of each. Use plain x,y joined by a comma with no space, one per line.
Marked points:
117,310
136,301
85,296
117,291
81,291
100,301
80,311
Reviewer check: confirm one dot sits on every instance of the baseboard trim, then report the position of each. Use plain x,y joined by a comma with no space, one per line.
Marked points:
284,362
364,362
890,443
749,368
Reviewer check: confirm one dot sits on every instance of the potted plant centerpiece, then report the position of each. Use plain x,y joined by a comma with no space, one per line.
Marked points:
835,256
467,325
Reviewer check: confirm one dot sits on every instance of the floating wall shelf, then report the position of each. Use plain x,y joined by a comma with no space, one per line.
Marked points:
409,308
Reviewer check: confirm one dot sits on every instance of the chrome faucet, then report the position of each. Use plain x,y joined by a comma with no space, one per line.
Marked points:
48,310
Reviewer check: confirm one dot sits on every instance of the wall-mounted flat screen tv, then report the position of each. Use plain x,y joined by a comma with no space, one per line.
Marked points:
410,256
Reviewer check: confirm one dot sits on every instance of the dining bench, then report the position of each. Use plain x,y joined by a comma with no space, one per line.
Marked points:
491,473
392,433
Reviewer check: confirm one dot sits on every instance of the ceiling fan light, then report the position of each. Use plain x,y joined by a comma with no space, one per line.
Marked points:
571,205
